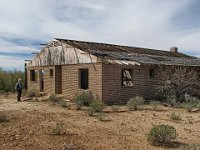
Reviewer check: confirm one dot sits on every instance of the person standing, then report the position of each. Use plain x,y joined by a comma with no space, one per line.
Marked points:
18,88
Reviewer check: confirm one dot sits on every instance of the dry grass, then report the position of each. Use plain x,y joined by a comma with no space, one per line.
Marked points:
30,122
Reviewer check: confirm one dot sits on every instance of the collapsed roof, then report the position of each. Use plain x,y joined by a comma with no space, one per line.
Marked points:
132,55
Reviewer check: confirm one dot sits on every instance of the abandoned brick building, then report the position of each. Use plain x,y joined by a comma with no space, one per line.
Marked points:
113,72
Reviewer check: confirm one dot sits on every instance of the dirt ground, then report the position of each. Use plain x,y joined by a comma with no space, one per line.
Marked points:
30,124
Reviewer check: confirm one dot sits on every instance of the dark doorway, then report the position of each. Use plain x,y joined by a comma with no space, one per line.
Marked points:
83,78
41,80
58,79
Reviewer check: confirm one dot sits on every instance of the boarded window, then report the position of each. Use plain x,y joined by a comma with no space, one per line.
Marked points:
33,75
127,77
151,73
51,72
83,74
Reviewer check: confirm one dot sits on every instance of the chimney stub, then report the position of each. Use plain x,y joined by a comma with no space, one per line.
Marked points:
174,50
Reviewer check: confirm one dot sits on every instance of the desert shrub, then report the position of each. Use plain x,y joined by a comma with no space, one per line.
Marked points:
178,80
175,116
97,106
188,106
84,98
52,98
63,104
3,118
190,102
8,79
162,135
58,129
101,116
70,146
91,111
79,104
198,105
171,100
134,102
191,99
115,108
190,147
154,104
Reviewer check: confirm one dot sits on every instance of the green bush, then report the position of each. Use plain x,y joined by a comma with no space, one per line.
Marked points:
63,104
175,116
58,129
171,100
190,103
91,111
134,102
188,106
52,98
190,99
101,116
162,135
84,98
97,106
154,104
198,105
79,104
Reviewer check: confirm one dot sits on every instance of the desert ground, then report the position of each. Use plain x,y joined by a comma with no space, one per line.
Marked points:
30,124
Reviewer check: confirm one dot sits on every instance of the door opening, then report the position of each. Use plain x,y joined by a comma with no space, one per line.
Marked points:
41,80
58,79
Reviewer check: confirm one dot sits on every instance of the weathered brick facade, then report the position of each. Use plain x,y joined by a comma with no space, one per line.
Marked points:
69,84
101,68
49,82
105,81
143,84
71,80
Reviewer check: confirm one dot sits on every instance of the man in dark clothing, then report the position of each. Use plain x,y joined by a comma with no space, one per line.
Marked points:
18,88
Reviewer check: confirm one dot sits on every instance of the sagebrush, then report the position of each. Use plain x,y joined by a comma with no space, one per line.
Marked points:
58,129
175,116
154,104
162,135
53,98
96,106
82,99
134,102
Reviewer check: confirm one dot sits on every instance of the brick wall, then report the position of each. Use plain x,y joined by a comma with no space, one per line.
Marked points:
71,80
105,80
112,89
49,82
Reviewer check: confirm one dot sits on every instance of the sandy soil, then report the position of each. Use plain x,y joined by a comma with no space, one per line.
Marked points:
30,124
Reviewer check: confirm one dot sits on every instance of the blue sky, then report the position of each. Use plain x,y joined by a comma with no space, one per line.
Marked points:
158,24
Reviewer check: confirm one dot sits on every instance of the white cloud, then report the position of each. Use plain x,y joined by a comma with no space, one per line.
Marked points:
10,47
11,62
146,23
